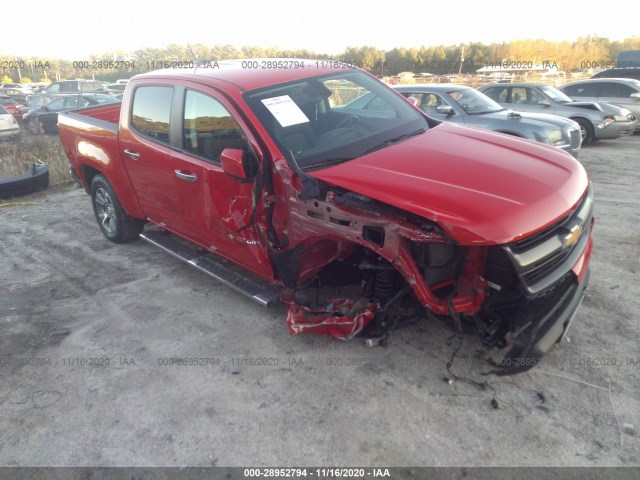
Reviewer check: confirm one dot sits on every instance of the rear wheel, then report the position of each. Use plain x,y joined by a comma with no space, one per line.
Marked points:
115,224
586,130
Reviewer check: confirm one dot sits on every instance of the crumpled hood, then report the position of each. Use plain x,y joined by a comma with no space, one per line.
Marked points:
480,187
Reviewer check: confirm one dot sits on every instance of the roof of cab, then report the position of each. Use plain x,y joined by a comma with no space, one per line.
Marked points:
252,73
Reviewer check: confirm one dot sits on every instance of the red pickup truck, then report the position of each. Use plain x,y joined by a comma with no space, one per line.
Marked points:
252,172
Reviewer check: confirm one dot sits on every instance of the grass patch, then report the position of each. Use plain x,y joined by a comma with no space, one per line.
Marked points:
16,157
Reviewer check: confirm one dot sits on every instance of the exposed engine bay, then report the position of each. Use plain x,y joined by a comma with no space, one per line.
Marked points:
375,269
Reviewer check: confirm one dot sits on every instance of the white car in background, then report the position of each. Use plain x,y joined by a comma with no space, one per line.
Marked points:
9,127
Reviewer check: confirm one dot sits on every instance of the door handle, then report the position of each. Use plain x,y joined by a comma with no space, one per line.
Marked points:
131,154
189,177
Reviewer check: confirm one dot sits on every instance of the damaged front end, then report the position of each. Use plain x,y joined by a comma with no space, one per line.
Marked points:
537,285
362,268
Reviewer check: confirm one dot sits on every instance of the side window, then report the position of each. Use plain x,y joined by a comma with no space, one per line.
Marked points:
208,127
498,94
56,104
617,90
582,90
151,111
518,95
71,102
430,103
533,97
69,87
572,90
53,88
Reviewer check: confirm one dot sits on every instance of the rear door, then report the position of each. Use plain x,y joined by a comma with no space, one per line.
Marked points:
619,94
147,152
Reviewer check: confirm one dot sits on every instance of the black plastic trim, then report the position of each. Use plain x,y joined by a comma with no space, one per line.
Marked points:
35,180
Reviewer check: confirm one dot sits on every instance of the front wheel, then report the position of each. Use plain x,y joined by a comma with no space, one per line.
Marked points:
586,131
115,224
34,126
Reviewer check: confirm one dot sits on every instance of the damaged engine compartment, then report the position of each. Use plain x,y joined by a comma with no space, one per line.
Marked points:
372,268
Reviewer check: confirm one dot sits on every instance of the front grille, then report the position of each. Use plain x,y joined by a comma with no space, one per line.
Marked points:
540,237
542,259
576,138
546,266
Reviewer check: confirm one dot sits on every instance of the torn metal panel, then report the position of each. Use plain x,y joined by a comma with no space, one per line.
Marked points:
342,318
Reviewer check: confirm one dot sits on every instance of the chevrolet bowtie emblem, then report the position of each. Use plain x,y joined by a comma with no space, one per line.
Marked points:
573,236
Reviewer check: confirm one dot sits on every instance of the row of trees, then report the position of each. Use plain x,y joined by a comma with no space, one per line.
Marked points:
584,53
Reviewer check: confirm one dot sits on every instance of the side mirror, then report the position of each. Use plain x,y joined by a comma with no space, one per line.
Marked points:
635,96
445,109
545,103
239,164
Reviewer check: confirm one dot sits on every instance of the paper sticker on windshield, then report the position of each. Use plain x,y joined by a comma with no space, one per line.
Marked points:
285,110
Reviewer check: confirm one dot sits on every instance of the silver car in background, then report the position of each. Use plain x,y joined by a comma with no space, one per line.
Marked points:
464,105
598,121
623,92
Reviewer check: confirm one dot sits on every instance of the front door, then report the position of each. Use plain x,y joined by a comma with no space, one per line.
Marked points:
178,173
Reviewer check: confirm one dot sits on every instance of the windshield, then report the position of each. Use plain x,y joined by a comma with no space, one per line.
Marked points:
34,100
329,119
556,94
473,102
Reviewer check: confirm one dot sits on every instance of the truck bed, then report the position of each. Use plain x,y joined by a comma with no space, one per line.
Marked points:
102,116
89,137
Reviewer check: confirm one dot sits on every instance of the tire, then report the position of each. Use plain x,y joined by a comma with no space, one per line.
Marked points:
115,224
586,130
34,126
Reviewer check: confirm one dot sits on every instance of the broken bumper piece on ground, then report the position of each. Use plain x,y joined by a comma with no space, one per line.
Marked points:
342,318
35,180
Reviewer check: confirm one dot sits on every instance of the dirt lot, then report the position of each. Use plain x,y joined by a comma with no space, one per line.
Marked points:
71,302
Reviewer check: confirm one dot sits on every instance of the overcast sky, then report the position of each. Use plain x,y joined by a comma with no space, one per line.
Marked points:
74,30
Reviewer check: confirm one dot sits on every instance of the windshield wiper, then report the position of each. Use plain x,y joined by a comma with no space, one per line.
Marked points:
336,160
331,161
393,140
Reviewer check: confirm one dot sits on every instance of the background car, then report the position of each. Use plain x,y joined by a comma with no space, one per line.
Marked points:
75,86
116,88
9,127
17,93
11,106
598,121
619,73
47,115
624,92
11,85
461,104
34,101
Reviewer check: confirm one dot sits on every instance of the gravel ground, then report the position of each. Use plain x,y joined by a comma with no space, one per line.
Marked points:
86,325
